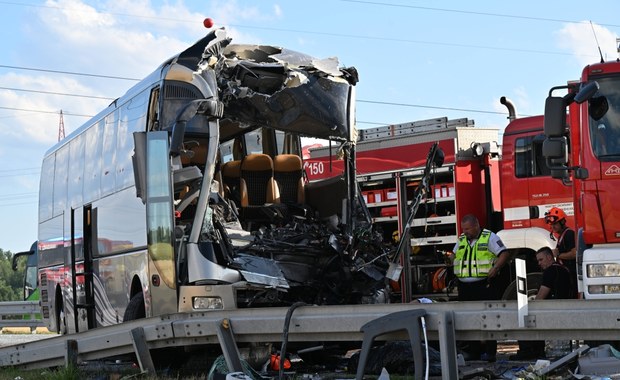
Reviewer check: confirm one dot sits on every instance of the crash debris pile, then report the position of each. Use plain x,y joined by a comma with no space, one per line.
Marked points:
314,258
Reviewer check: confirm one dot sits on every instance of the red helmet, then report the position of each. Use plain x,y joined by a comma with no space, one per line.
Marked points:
554,215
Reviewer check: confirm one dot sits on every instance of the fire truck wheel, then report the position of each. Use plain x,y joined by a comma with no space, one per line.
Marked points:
533,283
135,308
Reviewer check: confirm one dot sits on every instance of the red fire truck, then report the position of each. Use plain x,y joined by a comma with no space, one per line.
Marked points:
585,155
508,187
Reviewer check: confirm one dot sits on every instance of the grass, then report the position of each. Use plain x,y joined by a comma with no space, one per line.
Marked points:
69,373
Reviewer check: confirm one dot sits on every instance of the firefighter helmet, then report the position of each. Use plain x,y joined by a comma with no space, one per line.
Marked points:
555,215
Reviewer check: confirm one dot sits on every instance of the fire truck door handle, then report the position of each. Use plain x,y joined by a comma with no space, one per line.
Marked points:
433,241
429,221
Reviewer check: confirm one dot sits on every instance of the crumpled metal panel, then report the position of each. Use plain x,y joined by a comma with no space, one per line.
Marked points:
270,86
260,270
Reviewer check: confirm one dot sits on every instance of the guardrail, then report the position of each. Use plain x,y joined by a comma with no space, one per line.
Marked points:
20,314
445,322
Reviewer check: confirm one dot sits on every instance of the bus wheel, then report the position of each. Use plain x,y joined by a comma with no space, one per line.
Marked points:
62,320
135,308
533,284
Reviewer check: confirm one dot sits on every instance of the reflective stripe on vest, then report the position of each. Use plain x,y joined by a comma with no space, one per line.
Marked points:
474,261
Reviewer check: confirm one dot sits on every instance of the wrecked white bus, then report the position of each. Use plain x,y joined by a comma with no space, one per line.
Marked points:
187,194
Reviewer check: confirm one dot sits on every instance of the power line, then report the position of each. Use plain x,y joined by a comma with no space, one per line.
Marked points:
44,111
56,93
16,170
67,72
430,107
531,18
19,204
99,12
477,13
376,38
20,174
8,197
403,40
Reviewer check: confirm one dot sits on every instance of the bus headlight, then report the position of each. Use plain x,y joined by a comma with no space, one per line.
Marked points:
603,270
208,303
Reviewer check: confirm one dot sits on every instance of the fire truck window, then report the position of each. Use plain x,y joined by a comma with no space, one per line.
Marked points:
540,165
606,138
604,113
523,154
529,161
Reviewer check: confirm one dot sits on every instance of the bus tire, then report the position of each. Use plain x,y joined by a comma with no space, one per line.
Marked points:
135,308
61,315
534,280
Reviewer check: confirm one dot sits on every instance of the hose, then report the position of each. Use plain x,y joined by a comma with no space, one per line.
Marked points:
287,322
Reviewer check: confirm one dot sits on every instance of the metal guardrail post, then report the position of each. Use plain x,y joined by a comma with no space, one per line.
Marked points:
229,346
71,353
408,320
447,345
142,350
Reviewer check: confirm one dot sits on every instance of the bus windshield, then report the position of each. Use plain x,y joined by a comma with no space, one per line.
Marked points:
31,288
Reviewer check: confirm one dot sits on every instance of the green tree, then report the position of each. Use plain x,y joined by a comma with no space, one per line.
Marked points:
11,282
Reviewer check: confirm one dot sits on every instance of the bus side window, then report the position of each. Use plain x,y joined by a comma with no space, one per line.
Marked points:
46,192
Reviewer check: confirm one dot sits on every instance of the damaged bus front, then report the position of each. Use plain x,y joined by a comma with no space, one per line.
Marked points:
251,227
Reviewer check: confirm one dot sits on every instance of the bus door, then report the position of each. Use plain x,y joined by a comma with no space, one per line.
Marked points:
160,224
81,264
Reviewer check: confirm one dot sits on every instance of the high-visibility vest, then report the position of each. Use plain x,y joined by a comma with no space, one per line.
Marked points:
474,261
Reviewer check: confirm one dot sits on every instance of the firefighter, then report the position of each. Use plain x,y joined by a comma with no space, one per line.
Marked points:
478,259
565,251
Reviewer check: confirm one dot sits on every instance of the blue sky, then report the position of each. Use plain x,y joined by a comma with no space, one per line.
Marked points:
416,59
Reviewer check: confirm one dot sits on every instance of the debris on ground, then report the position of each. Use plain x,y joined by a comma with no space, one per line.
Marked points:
598,361
396,357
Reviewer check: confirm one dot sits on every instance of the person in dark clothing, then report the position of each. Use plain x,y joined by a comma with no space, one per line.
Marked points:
565,251
556,284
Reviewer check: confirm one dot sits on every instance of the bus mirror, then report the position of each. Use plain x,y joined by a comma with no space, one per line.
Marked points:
555,116
16,256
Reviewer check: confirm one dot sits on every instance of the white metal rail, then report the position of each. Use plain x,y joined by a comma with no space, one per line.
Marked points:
446,322
20,314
